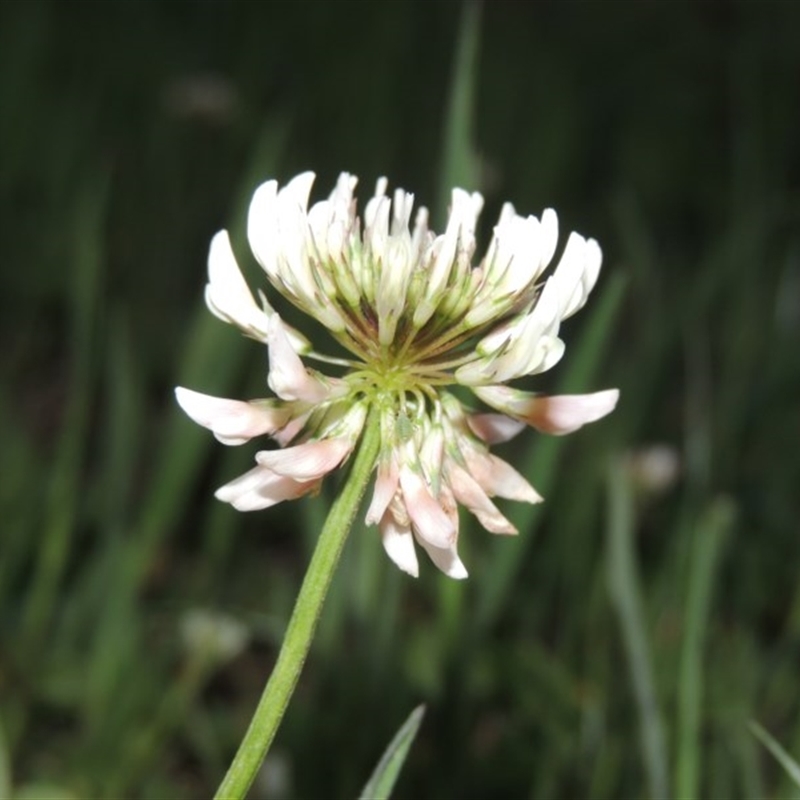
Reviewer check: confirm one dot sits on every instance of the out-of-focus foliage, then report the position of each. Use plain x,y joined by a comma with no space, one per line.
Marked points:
649,608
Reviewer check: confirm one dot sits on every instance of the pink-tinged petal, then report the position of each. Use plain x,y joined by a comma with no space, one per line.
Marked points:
262,488
288,378
498,478
429,519
398,543
494,428
306,462
447,500
557,415
386,483
285,435
248,482
431,452
503,398
469,493
232,421
446,559
561,414
227,294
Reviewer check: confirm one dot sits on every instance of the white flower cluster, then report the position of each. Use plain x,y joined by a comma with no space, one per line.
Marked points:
415,315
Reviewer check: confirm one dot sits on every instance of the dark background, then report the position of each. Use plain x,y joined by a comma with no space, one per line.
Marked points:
620,646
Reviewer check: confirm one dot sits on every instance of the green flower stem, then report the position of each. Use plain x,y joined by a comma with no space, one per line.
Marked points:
300,631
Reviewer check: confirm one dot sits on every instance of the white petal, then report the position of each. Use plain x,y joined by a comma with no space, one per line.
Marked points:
503,398
518,247
446,559
562,414
494,428
248,482
386,483
402,206
262,227
283,243
525,346
375,201
544,355
531,353
319,221
288,378
469,493
376,233
534,348
300,344
558,414
497,477
292,428
507,213
431,452
396,268
227,295
294,196
232,421
460,230
430,521
398,543
500,336
577,273
342,198
308,461
549,238
262,488
419,238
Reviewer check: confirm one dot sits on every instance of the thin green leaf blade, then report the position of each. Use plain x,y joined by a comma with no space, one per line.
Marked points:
709,538
459,166
784,759
625,589
5,766
382,780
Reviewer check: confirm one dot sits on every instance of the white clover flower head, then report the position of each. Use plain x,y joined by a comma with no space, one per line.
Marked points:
415,317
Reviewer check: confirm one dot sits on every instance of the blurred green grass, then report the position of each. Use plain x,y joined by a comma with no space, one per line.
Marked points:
620,645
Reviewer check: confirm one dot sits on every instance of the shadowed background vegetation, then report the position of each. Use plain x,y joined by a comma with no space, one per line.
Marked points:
649,609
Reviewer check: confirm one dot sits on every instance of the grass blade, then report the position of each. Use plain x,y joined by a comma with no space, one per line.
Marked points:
626,595
459,165
5,766
784,759
708,539
381,782
63,498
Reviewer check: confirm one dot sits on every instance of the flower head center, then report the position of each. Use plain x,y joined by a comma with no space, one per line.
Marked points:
391,379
